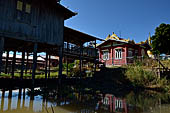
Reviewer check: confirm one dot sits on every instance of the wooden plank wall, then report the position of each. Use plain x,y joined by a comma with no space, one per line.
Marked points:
46,24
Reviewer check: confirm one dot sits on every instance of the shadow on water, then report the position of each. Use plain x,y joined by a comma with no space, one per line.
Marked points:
113,80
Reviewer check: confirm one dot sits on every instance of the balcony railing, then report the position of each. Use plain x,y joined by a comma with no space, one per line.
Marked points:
83,51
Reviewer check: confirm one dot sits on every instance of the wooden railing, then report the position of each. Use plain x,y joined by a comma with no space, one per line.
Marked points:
84,51
161,71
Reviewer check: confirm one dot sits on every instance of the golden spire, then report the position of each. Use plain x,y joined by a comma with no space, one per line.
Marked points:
149,39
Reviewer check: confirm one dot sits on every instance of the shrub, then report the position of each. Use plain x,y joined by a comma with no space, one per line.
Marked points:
139,76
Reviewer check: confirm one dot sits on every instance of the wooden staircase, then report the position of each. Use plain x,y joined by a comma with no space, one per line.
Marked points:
162,71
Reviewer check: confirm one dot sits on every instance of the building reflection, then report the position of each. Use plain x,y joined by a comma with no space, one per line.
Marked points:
77,102
113,104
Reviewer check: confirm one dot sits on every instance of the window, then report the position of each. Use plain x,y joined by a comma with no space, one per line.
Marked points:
23,10
23,6
19,5
106,55
143,52
130,52
118,53
28,8
136,52
65,45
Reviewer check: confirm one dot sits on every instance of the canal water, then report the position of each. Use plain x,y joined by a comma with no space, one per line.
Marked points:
73,100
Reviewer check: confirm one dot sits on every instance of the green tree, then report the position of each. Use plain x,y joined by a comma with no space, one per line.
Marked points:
161,39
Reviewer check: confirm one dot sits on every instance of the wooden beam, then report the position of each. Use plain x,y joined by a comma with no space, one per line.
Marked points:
13,64
1,52
34,66
22,65
6,64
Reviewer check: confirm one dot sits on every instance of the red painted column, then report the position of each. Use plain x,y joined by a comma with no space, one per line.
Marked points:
126,55
110,102
113,56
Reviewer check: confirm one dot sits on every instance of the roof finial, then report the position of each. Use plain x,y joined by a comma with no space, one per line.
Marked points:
107,37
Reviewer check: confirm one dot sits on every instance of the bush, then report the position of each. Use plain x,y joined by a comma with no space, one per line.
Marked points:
139,76
76,72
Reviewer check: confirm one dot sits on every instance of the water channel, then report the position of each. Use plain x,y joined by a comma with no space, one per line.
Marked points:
73,100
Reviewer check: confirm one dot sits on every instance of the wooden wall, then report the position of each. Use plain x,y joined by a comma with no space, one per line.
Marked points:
44,24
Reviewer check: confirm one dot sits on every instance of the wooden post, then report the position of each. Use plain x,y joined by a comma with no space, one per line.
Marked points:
23,98
67,64
46,65
13,64
95,57
6,64
22,65
67,57
34,65
10,99
60,62
2,100
81,49
49,68
60,52
19,98
46,70
31,103
1,52
26,69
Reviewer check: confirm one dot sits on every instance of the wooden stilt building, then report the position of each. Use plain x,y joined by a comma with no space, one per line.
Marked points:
34,26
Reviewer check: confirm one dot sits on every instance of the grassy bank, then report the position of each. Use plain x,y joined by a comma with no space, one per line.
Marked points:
142,75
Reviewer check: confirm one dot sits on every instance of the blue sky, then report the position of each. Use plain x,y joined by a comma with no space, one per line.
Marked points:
132,19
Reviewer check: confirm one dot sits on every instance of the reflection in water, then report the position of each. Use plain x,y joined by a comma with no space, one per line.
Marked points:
72,100
113,104
13,100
